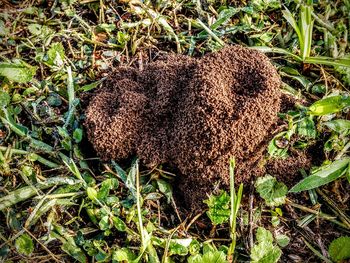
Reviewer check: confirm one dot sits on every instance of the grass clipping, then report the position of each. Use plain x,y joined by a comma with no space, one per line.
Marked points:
192,114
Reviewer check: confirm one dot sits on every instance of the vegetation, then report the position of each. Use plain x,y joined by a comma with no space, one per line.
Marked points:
60,203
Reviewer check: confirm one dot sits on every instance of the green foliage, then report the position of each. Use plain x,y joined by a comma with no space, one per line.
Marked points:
323,175
4,99
264,251
276,147
272,191
329,105
55,55
282,240
17,71
91,193
339,249
306,127
68,243
165,188
123,255
24,244
338,125
345,72
235,202
219,208
209,257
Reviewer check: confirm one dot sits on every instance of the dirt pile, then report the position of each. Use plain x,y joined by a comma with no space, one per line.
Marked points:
192,114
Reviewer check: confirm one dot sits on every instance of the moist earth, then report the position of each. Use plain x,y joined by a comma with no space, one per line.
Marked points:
192,114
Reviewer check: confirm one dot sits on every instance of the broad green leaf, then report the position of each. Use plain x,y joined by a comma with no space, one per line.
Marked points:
123,255
91,193
272,191
118,223
322,176
41,31
17,71
195,259
282,240
24,244
339,249
106,186
121,173
194,247
122,38
306,127
339,125
4,99
264,251
209,257
165,188
219,208
78,135
55,55
176,248
216,256
104,223
74,251
329,105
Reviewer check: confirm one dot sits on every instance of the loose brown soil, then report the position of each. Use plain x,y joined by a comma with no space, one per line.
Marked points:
192,114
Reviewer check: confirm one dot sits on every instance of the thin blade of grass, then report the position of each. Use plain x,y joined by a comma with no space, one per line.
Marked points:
342,62
290,19
27,192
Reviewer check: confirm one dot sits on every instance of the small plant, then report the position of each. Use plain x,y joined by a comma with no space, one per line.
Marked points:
224,207
235,199
264,251
339,249
273,192
304,28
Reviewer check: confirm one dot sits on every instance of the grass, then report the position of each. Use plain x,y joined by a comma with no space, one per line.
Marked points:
59,203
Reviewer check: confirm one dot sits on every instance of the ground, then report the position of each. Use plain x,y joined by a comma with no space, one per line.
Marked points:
61,202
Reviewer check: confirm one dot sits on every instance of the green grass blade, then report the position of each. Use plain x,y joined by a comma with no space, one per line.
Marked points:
329,105
276,50
342,62
305,26
290,19
323,176
211,33
27,192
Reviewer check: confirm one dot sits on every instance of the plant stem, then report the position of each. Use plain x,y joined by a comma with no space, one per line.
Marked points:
138,203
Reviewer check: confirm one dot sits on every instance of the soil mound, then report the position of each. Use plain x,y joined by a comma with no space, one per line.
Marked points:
192,114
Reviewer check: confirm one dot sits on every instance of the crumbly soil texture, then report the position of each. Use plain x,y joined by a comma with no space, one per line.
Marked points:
192,114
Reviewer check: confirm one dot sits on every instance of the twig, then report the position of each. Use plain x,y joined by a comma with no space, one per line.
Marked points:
343,217
44,247
318,213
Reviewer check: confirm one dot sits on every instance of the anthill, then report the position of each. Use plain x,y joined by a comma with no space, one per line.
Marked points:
192,114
